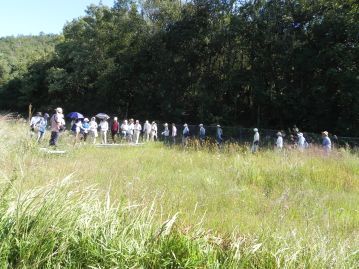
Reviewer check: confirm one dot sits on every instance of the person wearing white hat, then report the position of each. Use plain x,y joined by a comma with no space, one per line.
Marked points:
202,134
301,141
136,131
85,128
93,129
166,134
146,131
185,135
279,142
327,143
130,129
57,124
256,138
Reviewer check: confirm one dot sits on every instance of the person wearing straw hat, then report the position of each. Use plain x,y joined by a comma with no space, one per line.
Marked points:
166,134
202,134
185,135
279,142
327,144
57,124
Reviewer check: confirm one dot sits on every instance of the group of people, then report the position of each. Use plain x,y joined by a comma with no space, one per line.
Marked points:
131,130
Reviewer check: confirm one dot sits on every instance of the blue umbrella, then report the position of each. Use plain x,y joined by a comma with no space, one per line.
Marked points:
102,116
75,115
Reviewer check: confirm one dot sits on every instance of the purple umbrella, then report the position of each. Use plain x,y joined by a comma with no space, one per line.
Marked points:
75,115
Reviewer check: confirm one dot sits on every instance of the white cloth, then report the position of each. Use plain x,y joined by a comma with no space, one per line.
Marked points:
279,142
104,126
256,137
174,131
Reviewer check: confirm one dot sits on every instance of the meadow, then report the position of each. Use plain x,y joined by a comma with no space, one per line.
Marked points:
160,207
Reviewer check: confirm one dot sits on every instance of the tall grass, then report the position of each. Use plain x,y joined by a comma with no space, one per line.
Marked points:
156,207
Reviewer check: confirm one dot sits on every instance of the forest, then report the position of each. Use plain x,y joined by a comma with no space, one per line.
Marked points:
264,63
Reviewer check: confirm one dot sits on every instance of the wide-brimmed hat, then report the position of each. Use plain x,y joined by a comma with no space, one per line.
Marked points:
165,124
218,126
325,133
279,134
299,134
86,120
201,125
58,110
38,114
255,130
185,125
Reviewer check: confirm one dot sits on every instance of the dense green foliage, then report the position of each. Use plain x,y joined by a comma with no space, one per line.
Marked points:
272,63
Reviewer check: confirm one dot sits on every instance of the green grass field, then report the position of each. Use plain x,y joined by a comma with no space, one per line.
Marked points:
160,207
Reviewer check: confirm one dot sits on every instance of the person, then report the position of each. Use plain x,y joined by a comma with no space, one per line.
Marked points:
256,137
136,131
34,123
202,134
335,143
174,133
104,129
219,136
57,124
279,142
42,127
93,129
166,134
77,127
124,129
185,135
301,141
115,129
327,144
85,128
146,131
154,131
130,131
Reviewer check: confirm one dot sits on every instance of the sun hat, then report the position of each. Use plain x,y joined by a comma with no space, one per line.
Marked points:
165,124
59,110
201,125
279,134
86,120
185,125
299,134
218,126
38,114
114,118
325,133
255,130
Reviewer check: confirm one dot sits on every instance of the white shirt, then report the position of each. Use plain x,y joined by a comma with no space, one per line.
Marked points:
104,126
256,137
279,142
124,127
137,128
147,127
301,141
174,131
35,120
93,126
78,126
131,128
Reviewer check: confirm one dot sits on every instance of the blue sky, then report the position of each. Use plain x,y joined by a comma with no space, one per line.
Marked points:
26,17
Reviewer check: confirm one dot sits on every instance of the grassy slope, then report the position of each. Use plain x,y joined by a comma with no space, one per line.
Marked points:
303,205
